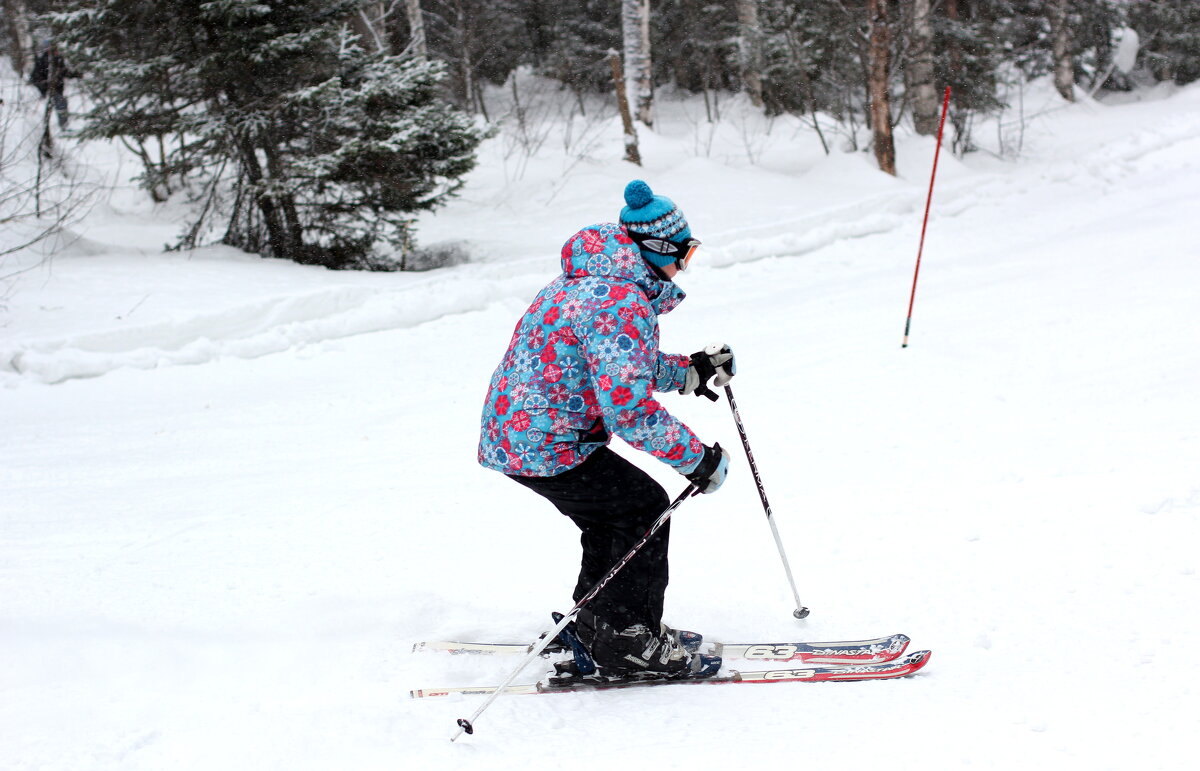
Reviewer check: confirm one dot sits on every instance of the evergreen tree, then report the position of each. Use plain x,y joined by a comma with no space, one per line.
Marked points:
695,44
815,54
332,148
481,41
1169,31
968,48
575,44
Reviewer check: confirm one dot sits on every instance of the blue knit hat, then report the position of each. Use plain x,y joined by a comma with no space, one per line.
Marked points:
652,219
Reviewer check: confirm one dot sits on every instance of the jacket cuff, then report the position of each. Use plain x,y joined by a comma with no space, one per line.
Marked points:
670,371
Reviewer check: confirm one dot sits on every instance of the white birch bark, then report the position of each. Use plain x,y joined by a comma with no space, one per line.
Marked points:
635,34
370,24
20,46
1064,68
631,143
921,73
750,49
416,27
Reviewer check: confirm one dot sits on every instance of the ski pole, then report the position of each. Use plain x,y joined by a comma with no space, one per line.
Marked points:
912,298
467,725
800,611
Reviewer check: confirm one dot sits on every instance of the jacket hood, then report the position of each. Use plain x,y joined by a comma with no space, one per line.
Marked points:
607,251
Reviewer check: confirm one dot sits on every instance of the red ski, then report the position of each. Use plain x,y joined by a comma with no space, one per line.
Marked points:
900,667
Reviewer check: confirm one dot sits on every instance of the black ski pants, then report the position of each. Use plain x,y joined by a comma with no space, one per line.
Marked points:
614,503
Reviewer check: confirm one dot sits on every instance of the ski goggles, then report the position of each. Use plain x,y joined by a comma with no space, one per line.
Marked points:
690,248
665,252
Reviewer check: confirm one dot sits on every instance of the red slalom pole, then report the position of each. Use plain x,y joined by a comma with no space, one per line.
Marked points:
925,222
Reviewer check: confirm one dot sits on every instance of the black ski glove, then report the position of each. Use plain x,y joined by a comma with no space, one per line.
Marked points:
715,360
709,474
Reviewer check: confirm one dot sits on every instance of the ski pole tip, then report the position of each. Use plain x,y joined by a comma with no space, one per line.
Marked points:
464,727
800,613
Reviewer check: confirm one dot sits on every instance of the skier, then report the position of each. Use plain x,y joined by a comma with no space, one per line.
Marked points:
582,366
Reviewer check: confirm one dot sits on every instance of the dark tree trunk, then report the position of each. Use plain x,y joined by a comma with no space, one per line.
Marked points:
879,60
280,238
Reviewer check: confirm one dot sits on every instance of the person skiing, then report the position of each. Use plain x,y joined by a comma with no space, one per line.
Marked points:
582,366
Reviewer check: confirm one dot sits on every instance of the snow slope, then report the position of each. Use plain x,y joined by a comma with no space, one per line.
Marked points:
224,565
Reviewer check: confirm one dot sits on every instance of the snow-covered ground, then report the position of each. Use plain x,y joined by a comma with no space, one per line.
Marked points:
234,491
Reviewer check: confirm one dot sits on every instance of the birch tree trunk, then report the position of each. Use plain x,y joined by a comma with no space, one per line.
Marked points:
1064,68
921,74
631,143
370,25
879,56
20,45
750,49
635,34
416,27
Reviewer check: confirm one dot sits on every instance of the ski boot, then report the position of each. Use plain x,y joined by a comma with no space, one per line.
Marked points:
638,653
568,639
689,640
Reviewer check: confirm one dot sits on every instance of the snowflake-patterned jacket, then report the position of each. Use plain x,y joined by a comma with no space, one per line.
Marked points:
583,364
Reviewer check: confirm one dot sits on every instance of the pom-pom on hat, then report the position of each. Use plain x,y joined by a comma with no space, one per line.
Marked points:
648,216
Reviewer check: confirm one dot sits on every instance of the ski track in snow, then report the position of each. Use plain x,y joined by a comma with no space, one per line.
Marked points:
272,324
328,306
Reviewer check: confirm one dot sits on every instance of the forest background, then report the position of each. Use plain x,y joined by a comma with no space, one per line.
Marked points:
318,130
